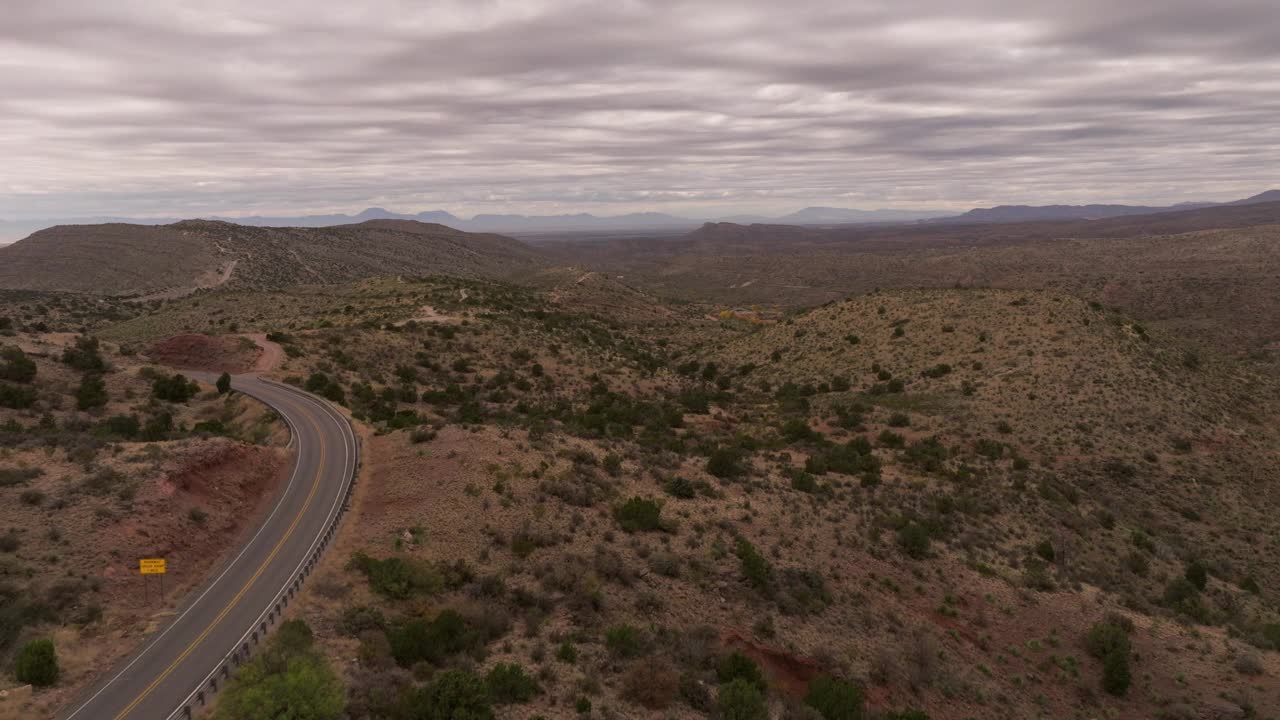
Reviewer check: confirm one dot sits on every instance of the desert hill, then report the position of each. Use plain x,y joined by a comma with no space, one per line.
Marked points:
174,260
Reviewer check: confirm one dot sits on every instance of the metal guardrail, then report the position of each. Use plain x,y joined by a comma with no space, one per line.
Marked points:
256,634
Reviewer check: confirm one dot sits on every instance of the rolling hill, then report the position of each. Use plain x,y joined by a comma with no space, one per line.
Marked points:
177,259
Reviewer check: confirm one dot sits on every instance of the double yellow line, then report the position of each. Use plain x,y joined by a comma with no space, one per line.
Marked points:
315,484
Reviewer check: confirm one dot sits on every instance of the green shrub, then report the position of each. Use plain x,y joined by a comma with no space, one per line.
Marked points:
736,666
1196,574
125,426
852,458
928,454
797,430
360,618
639,515
755,568
16,366
415,640
937,371
740,700
835,699
402,578
175,388
451,695
37,664
914,540
567,653
84,355
224,384
508,683
624,641
726,462
1110,635
1044,549
680,487
92,392
1115,673
16,397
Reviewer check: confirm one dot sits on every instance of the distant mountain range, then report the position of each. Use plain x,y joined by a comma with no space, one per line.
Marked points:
506,224
1034,213
654,221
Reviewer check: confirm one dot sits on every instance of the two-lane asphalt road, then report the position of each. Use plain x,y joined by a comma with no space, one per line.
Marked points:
164,674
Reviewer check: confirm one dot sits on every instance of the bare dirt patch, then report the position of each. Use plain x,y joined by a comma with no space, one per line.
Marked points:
225,353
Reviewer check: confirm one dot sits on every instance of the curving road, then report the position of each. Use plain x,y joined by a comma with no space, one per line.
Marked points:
218,621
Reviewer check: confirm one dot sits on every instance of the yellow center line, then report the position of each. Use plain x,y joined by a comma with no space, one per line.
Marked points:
288,533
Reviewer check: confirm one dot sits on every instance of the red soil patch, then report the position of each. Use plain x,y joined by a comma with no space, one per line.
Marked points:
788,674
223,353
223,483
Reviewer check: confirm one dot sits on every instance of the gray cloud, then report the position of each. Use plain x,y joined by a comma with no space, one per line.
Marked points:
142,107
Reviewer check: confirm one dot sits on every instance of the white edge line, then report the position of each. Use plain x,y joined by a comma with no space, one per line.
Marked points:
207,590
345,430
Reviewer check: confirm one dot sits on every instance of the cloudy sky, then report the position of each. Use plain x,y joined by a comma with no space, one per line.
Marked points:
146,107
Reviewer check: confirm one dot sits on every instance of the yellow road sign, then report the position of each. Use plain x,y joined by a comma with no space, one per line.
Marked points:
151,566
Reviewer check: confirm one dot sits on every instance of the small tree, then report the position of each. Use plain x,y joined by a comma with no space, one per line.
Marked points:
1115,673
914,540
92,392
755,568
37,663
224,383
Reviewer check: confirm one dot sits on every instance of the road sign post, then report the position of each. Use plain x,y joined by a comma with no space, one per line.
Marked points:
152,566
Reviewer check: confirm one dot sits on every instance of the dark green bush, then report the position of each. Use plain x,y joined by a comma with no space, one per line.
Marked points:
92,392
1115,673
1197,574
37,664
755,568
450,695
448,633
16,366
726,462
16,397
508,683
740,700
680,487
402,578
736,666
624,641
639,515
835,699
928,454
175,388
914,540
84,355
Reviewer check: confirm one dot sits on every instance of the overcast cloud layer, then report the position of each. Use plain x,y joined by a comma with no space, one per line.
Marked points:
135,107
